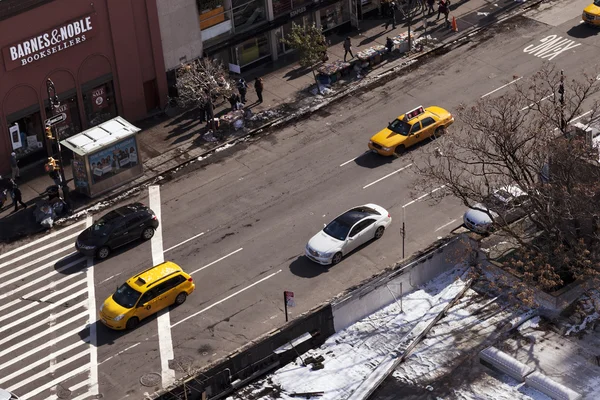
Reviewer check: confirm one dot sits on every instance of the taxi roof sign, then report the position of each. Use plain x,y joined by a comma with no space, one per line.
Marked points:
415,113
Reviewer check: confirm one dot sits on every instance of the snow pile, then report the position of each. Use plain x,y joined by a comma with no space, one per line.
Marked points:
353,354
264,115
586,313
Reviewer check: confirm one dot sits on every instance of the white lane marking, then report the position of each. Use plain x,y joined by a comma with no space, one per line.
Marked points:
43,346
184,242
349,161
537,102
119,353
37,250
42,310
61,378
47,371
165,342
52,356
20,267
49,318
423,196
109,278
387,176
28,273
225,299
216,261
501,87
49,286
578,117
34,303
445,225
92,318
72,389
42,278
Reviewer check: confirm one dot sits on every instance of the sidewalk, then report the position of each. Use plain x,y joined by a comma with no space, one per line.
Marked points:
173,138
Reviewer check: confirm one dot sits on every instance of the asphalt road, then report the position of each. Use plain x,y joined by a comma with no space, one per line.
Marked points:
240,227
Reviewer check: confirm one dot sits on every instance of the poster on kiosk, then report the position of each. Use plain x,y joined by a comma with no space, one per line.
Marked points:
105,156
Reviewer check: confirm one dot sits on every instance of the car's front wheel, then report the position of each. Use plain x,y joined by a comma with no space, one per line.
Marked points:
399,150
148,233
103,252
337,257
132,323
379,232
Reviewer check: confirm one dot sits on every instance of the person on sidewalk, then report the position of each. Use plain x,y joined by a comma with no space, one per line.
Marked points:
430,4
234,99
392,20
243,89
389,44
55,177
17,198
258,86
14,166
348,48
443,8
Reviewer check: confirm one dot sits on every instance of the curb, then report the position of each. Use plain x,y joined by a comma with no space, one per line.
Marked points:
282,121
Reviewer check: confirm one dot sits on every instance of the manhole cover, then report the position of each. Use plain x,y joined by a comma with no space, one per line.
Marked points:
181,364
62,392
151,379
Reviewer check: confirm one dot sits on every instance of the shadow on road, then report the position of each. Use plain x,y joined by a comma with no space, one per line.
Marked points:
582,31
373,160
305,268
71,264
107,336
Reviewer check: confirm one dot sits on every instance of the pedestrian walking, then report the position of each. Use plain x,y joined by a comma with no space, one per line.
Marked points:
14,166
56,178
389,44
258,86
431,4
17,198
348,48
234,99
243,89
443,9
392,20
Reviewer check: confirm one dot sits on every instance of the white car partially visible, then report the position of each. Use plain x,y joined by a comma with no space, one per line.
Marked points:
6,395
348,231
504,206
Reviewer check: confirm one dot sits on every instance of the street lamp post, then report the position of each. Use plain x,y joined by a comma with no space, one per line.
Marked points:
54,104
561,92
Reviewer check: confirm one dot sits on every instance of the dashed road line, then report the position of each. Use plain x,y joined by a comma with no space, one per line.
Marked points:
388,175
502,87
216,261
423,196
119,353
537,102
445,225
349,161
184,242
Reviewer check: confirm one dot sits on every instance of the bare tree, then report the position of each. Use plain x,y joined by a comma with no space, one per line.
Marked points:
519,138
309,41
200,83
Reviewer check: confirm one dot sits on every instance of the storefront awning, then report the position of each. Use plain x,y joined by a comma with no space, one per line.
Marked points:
100,136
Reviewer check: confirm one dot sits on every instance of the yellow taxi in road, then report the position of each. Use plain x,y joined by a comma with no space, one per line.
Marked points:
409,129
145,294
591,14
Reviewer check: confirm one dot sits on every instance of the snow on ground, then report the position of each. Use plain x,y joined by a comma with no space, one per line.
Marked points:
352,354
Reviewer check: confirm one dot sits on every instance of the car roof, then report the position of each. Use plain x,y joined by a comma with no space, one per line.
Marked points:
123,211
147,278
352,216
5,395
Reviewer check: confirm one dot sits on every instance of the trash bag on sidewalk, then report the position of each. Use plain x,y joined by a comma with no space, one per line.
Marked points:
44,214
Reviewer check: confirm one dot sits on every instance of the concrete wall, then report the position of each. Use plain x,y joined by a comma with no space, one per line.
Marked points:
180,31
382,290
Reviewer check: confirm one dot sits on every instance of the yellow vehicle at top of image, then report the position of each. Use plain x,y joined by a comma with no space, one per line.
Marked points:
409,129
591,14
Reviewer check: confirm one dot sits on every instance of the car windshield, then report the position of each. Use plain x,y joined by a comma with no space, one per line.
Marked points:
337,229
597,3
126,296
399,127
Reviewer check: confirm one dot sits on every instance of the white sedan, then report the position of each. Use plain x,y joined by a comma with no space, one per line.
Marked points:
350,230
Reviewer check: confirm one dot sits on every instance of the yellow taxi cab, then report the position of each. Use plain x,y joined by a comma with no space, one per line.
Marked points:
409,129
591,14
145,294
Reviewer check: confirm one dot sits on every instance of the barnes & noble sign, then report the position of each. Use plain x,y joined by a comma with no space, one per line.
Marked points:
48,42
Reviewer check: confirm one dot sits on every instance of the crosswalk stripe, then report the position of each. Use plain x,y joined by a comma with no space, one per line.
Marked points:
42,347
41,278
48,370
53,328
42,310
74,388
38,249
51,317
28,273
56,381
21,267
39,290
43,360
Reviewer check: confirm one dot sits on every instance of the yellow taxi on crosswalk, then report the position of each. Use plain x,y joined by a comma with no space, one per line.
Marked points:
409,129
145,294
591,14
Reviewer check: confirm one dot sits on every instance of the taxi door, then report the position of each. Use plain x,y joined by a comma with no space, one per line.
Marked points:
427,127
149,304
414,135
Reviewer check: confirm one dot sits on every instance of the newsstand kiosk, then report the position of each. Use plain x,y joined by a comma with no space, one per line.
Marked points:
105,156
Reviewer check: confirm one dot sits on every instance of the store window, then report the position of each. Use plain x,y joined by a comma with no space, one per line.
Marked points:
286,29
253,50
99,103
246,13
281,7
335,15
27,136
68,106
212,12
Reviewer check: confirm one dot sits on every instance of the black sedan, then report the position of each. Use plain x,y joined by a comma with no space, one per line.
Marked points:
117,228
